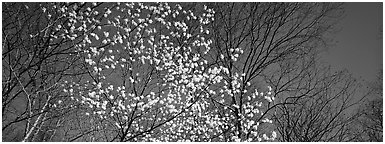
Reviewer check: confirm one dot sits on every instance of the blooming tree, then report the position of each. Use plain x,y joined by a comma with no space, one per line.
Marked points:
156,71
149,78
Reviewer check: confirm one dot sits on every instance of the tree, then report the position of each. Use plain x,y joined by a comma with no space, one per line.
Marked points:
171,72
371,121
321,107
281,43
148,79
35,62
368,125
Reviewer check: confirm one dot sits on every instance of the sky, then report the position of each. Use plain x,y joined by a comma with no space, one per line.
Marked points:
359,41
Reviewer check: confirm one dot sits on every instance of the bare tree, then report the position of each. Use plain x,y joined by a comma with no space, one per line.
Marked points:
279,43
321,109
35,61
369,125
371,121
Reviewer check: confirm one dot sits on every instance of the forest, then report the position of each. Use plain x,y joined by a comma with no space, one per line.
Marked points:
186,72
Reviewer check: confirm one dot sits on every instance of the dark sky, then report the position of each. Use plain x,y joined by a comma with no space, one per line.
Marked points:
359,47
